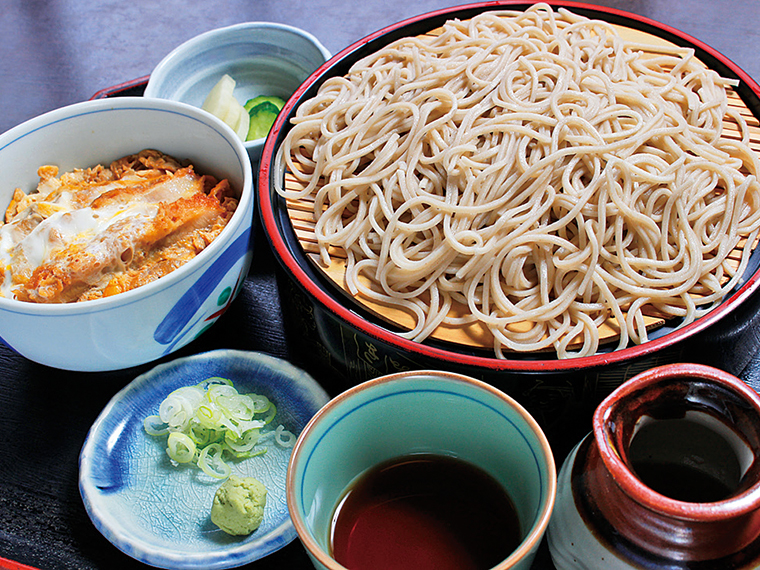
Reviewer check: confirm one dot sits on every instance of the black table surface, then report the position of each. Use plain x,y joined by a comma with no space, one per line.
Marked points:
57,52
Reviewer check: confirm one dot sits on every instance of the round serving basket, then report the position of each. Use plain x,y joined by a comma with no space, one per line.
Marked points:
335,337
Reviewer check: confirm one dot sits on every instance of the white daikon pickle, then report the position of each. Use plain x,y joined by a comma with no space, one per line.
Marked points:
221,103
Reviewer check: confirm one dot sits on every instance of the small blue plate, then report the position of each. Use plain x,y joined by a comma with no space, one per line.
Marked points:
159,514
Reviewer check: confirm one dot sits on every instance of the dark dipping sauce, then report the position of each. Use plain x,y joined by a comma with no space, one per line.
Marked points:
685,460
682,482
424,512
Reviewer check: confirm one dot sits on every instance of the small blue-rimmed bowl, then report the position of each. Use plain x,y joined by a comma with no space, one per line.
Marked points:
429,412
264,58
149,322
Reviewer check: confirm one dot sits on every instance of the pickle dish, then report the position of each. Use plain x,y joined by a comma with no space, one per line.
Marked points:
263,58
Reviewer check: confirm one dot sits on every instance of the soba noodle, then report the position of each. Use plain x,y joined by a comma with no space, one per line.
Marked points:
536,168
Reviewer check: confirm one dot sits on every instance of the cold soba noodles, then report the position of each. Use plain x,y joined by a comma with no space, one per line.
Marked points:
536,168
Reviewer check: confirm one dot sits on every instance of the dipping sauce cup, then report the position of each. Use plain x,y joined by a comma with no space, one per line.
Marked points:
422,416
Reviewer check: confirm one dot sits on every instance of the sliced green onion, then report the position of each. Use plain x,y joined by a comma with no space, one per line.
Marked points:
203,435
211,462
271,412
237,408
214,380
244,444
176,411
154,425
212,419
247,426
254,453
180,447
193,394
260,403
217,391
283,437
209,416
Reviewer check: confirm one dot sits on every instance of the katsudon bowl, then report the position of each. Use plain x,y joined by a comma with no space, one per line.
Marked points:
346,338
142,324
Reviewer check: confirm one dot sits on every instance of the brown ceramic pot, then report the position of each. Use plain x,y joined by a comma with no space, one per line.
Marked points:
668,478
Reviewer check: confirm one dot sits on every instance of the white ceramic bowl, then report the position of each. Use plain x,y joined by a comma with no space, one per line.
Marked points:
156,319
264,58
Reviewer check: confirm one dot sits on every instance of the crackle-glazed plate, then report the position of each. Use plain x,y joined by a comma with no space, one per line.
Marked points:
159,513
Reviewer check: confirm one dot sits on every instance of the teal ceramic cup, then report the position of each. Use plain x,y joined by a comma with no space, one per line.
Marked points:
421,412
